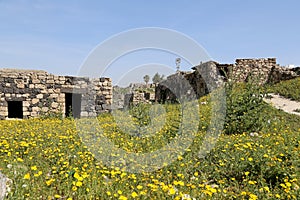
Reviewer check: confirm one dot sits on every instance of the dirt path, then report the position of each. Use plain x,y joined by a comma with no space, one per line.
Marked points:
284,104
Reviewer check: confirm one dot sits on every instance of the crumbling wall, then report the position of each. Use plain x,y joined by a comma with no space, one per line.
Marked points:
265,70
137,97
210,75
41,92
133,94
203,79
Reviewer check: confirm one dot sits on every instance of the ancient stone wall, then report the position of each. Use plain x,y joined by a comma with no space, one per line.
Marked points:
133,94
178,86
40,92
265,70
210,75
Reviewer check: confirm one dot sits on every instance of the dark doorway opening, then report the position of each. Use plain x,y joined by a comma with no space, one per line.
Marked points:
73,105
15,109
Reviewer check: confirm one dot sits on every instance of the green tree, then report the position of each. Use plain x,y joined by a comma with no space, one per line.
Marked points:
157,78
146,79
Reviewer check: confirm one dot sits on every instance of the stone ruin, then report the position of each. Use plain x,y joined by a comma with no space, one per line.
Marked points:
209,75
32,93
133,94
138,97
265,69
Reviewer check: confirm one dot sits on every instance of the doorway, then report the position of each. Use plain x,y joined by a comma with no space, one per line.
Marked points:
73,105
15,109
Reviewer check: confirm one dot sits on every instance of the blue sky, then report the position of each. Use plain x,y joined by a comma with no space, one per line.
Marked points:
57,36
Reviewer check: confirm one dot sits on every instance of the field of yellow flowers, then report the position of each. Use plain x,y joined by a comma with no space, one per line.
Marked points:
47,159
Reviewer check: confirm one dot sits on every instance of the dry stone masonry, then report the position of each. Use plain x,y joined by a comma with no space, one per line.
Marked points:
210,75
265,69
30,93
133,94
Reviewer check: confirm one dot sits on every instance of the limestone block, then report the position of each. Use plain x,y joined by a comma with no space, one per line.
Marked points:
35,81
60,99
84,114
20,86
54,105
26,103
50,81
57,90
35,109
3,113
42,77
40,96
45,109
26,113
33,114
40,86
34,101
53,95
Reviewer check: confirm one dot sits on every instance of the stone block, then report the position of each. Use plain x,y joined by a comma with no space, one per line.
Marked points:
34,101
39,96
51,81
26,103
20,85
35,81
35,109
45,109
53,95
84,114
54,105
26,113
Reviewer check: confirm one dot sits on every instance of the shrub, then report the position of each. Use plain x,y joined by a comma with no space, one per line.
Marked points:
244,105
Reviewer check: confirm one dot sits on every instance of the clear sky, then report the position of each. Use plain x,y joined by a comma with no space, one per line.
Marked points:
58,35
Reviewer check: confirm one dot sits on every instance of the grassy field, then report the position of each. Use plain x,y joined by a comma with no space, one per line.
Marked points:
46,159
289,89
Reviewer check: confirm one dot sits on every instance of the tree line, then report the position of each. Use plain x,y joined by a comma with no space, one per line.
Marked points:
155,79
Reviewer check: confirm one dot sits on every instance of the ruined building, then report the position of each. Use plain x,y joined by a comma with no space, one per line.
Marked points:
31,93
265,70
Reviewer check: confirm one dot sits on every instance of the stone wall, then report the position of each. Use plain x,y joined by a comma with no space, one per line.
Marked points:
40,92
266,70
210,75
133,94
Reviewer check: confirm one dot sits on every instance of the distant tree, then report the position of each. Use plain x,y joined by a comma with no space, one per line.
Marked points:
146,79
157,78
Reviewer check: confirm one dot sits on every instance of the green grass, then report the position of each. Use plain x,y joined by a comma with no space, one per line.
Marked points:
289,89
46,158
